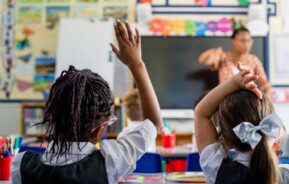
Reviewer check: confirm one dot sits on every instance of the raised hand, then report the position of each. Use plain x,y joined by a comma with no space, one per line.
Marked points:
129,47
246,80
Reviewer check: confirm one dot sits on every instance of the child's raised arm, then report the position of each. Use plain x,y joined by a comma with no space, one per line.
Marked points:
129,53
205,131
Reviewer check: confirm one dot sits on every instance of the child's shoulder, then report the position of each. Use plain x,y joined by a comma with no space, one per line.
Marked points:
284,174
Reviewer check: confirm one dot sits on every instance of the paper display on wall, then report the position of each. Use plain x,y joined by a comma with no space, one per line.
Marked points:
85,44
281,46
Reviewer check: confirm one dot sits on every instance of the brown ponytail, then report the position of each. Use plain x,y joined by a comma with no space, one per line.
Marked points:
244,106
264,166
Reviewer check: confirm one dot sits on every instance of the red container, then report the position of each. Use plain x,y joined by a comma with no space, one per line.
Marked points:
176,166
169,141
5,163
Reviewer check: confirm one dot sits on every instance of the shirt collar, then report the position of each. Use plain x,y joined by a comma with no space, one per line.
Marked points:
244,158
85,148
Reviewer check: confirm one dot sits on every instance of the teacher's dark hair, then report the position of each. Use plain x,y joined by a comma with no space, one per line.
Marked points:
78,100
237,31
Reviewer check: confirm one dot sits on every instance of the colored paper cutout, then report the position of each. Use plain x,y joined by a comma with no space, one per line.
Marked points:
146,1
189,27
167,27
157,25
25,58
225,25
201,28
244,2
45,52
212,26
27,31
51,25
23,85
21,44
178,26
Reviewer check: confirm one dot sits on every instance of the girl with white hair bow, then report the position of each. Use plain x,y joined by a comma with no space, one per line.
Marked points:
246,122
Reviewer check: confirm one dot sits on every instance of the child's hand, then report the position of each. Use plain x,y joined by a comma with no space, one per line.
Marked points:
129,51
245,80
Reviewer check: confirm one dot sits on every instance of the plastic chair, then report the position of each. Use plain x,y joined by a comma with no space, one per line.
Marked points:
36,149
193,162
284,160
149,163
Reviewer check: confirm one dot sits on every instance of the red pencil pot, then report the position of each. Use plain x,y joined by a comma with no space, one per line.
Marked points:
169,141
5,163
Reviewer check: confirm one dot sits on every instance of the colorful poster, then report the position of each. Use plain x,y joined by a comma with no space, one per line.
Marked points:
58,1
116,12
87,1
279,66
30,14
54,13
44,73
30,1
84,11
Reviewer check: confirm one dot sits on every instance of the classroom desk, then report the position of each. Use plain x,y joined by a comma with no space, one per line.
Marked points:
163,178
177,153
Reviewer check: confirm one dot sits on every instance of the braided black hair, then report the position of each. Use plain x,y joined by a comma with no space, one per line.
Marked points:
237,31
77,100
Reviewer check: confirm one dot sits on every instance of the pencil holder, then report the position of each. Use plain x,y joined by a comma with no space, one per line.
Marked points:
5,164
169,141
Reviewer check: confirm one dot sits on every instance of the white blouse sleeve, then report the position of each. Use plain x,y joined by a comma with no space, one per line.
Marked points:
211,159
121,154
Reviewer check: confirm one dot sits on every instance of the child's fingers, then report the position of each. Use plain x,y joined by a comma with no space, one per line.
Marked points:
241,67
257,92
114,49
122,32
250,86
137,36
245,72
129,32
250,79
117,35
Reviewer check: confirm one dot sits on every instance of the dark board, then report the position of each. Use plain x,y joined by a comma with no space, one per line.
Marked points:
177,76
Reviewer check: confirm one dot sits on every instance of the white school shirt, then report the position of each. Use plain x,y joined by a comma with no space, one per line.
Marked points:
120,155
131,126
212,157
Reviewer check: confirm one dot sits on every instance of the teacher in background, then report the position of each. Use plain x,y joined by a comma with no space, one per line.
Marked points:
226,61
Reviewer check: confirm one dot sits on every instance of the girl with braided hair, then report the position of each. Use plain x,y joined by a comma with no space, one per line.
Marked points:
79,109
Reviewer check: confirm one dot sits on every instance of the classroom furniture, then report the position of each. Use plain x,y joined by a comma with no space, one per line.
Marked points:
284,160
193,177
181,138
32,148
175,158
193,162
149,163
177,153
32,113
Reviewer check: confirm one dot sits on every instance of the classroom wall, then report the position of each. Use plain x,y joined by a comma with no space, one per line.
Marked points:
9,112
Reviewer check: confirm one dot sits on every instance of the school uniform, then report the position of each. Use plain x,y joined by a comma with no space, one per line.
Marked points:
220,169
112,162
132,125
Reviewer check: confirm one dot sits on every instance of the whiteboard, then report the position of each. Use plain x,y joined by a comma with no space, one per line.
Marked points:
85,44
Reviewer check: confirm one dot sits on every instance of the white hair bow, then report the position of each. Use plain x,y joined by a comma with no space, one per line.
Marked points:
269,126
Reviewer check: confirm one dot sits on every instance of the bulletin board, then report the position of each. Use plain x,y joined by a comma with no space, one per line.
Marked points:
36,37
